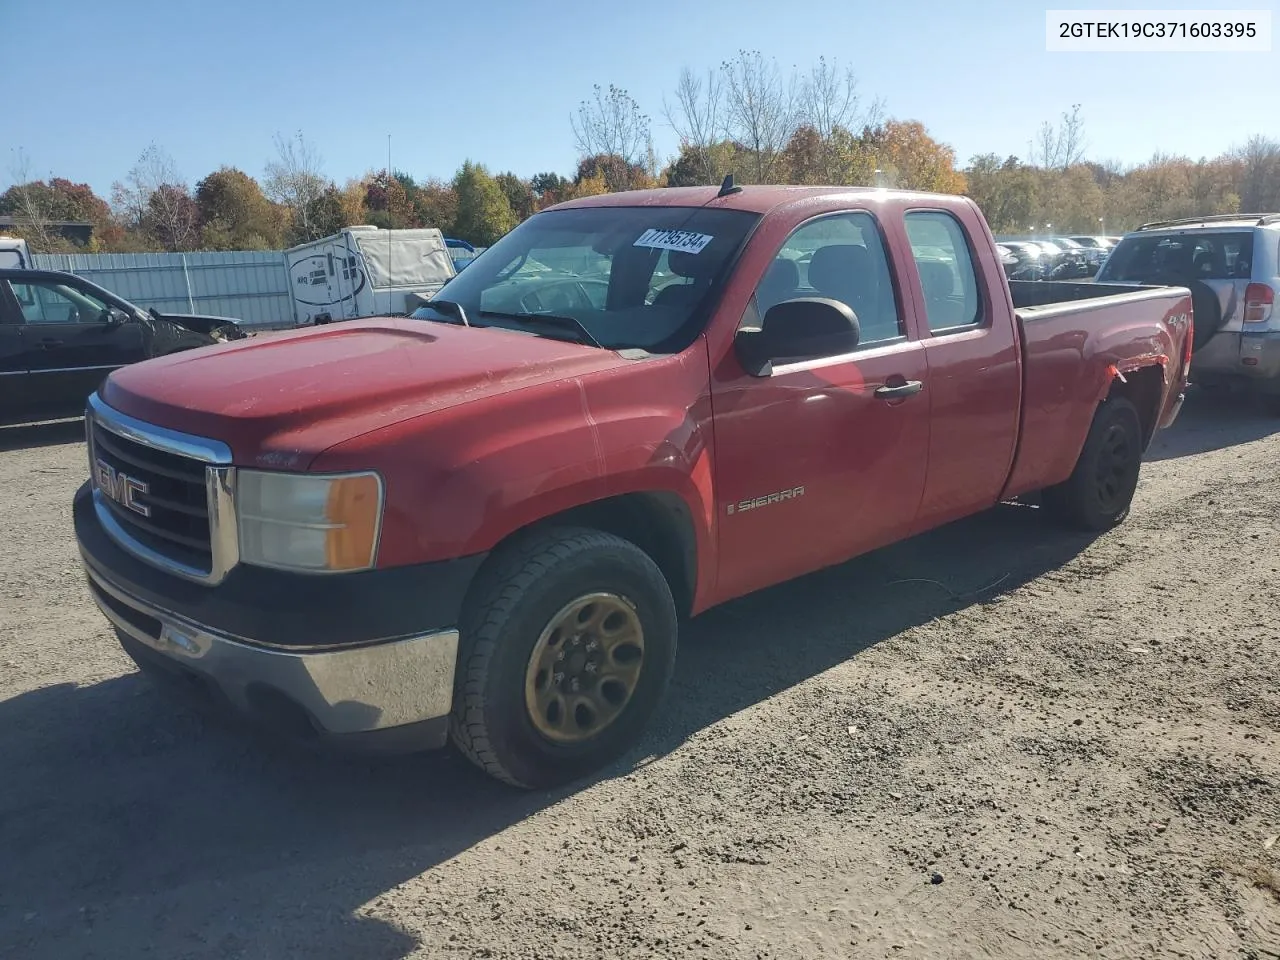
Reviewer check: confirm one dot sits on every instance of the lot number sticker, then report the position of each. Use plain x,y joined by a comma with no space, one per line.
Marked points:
681,240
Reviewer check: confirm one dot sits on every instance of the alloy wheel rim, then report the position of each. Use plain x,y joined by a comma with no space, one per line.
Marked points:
584,668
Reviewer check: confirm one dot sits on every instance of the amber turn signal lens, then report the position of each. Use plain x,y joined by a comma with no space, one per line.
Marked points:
354,509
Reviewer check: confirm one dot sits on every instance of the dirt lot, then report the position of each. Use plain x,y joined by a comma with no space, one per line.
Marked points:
994,741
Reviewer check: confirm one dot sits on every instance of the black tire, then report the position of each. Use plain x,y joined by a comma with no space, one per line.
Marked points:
516,596
1098,493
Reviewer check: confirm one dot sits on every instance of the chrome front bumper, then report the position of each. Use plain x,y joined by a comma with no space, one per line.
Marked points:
343,693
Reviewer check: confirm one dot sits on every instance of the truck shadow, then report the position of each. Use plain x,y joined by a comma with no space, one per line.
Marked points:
1210,422
49,433
134,824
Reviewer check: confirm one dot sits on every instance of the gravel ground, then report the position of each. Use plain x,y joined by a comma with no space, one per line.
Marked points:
993,741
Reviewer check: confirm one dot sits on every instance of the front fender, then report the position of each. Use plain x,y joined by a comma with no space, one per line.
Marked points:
460,481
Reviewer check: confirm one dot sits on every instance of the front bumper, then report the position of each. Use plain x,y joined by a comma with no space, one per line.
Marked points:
364,659
394,695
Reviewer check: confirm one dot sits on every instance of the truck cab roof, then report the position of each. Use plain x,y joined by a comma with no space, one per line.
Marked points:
761,198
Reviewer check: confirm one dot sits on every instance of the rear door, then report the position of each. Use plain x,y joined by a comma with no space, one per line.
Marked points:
975,383
70,341
1223,261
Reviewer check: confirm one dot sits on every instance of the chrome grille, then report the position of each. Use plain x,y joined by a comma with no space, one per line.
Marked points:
166,497
173,509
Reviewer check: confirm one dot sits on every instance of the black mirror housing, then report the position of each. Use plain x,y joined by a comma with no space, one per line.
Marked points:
799,329
116,316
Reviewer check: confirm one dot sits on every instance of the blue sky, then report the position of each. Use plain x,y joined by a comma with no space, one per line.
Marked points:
91,83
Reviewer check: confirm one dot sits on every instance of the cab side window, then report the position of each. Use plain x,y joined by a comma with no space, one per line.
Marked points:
947,275
841,257
48,302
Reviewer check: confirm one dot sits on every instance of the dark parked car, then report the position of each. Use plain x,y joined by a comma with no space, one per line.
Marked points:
1008,260
1031,262
1096,243
60,335
1084,260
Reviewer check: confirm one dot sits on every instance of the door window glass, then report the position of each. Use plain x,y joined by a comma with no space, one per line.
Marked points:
947,275
47,302
840,258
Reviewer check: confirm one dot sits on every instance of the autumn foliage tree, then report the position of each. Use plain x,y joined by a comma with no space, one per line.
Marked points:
746,116
484,212
235,214
387,202
911,159
155,204
435,204
38,206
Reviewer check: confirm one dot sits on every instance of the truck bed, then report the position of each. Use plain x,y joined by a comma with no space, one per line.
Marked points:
1041,293
1071,339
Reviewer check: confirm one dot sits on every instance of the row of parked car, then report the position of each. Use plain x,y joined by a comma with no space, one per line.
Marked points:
1053,258
1229,262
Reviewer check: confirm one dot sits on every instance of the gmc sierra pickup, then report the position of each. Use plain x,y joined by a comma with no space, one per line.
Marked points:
483,522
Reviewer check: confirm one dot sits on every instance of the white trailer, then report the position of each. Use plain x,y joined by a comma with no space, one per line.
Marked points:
14,254
366,272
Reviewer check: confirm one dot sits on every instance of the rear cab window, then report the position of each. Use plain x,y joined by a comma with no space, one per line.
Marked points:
944,262
1199,255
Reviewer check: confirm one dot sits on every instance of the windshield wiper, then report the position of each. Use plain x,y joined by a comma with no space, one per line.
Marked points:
450,307
572,324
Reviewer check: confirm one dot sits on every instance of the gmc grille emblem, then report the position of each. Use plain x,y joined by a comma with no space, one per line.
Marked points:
121,487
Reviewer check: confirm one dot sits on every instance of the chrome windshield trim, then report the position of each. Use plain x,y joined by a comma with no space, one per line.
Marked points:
158,438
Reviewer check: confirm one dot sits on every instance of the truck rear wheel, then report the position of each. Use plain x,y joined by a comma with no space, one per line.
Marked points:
1100,489
568,642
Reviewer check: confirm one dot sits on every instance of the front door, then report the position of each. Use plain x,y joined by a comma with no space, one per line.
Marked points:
70,342
824,459
13,362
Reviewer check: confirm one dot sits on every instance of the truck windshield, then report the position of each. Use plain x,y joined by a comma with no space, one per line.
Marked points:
1224,255
633,277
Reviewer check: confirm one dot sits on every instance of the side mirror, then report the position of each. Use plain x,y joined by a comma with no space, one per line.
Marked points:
803,328
116,316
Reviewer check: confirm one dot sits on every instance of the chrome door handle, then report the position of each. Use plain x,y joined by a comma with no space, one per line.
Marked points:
908,389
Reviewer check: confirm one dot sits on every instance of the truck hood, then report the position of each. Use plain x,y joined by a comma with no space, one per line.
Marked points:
279,401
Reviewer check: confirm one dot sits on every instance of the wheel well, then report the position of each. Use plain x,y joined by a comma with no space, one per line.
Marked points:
1143,388
657,522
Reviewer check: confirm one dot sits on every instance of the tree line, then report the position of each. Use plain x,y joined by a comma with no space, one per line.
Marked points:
745,116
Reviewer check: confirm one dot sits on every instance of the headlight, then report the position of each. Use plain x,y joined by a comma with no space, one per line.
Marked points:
296,521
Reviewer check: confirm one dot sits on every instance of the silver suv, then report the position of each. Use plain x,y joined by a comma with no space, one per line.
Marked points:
1232,266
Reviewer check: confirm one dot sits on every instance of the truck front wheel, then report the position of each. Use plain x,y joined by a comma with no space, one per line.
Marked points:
1100,489
568,642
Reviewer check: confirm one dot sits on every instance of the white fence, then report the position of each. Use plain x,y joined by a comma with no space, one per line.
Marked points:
252,286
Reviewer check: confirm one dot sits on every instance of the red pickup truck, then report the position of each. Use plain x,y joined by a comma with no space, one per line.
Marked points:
484,521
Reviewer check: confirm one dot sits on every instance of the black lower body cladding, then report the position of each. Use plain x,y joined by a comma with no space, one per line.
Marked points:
281,609
361,660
